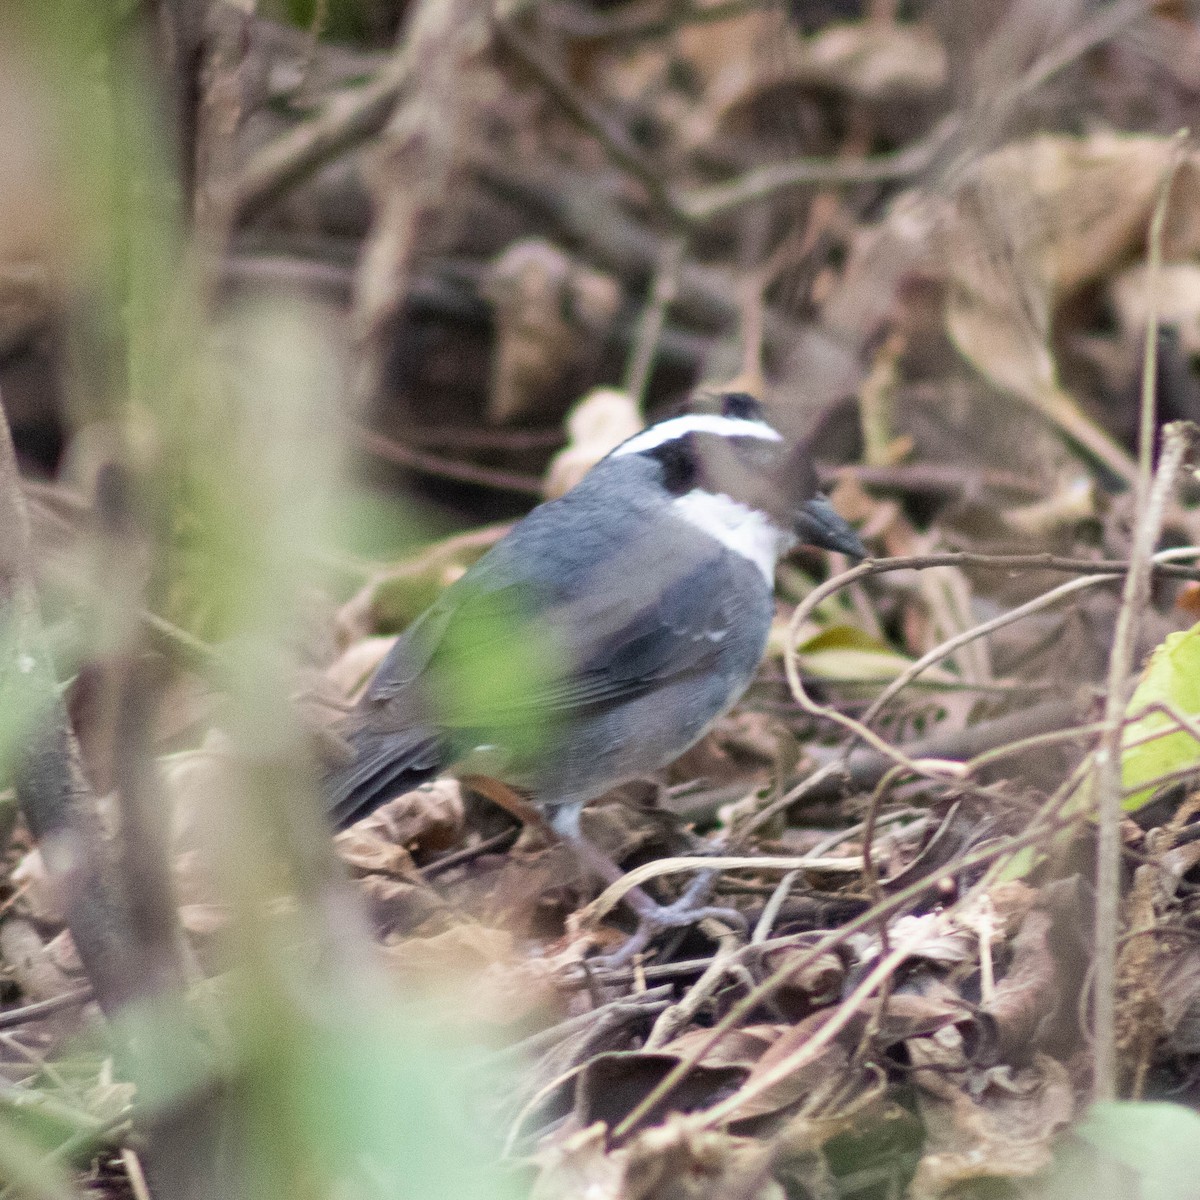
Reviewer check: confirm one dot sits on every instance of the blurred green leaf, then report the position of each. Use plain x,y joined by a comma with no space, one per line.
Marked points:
1171,677
1127,1150
844,652
29,1171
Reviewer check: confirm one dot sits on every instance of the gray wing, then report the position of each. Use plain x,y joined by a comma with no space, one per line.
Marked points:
508,652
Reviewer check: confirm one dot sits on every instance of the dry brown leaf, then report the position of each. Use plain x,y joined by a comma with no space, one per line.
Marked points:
613,1084
551,314
600,422
669,1162
1034,222
677,1162
580,1166
368,851
1178,970
191,779
1178,302
427,819
1005,1130
41,894
353,668
399,907
476,972
462,952
1035,1005
61,951
398,595
739,1047
877,61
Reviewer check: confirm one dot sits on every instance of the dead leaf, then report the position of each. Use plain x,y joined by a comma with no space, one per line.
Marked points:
350,673
551,314
1034,222
1035,1006
42,894
1178,302
423,821
474,972
600,422
612,1085
580,1166
399,907
676,1162
394,598
1004,1130
876,61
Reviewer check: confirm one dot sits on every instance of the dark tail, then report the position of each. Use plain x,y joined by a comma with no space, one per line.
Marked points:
385,764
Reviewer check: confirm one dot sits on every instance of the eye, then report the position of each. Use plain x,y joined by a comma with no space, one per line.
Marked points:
741,406
677,458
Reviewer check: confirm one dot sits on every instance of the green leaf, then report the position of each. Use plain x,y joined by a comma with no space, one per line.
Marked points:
846,653
1159,1142
1172,677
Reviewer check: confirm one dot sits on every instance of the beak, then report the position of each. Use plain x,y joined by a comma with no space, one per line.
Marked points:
818,524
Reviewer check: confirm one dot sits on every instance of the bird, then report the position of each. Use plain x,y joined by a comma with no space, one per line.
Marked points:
602,636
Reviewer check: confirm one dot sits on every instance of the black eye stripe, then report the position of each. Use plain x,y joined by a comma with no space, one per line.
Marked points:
742,406
680,467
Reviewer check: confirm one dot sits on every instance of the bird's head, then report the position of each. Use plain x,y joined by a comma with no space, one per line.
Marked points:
733,474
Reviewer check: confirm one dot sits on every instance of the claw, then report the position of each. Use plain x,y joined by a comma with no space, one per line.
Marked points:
654,918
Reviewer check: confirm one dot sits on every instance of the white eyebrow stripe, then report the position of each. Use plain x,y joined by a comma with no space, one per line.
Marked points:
677,427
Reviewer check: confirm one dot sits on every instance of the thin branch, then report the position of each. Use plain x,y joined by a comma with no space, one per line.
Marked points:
640,22
347,120
14,1017
704,204
589,117
663,291
1152,499
791,1064
938,479
943,649
1039,829
445,468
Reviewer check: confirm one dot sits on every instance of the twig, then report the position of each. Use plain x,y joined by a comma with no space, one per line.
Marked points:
538,1044
589,117
770,912
135,1173
456,858
677,1016
1107,759
762,183
14,1017
791,1063
948,647
611,896
639,22
935,478
738,1012
1054,720
445,468
645,342
704,204
345,121
1152,496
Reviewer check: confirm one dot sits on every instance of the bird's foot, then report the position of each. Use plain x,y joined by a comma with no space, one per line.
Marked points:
654,919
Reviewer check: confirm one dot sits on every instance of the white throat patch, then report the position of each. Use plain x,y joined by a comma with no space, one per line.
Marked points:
744,530
677,427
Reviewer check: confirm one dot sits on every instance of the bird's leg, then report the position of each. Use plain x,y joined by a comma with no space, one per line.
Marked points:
652,918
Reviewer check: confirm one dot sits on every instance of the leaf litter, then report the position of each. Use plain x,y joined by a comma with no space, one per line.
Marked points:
909,1009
